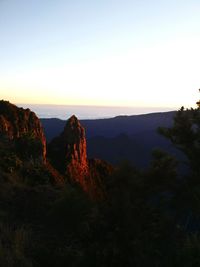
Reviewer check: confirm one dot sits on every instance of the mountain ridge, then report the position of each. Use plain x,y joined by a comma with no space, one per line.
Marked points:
108,138
111,126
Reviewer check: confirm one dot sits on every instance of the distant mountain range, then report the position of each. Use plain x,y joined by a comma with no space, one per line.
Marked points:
121,138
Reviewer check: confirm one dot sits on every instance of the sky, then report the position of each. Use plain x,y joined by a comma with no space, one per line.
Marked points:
101,52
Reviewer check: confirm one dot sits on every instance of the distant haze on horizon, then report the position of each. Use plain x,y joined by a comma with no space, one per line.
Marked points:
88,112
100,53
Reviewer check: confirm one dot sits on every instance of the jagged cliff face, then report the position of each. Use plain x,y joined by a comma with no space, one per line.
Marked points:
68,154
16,123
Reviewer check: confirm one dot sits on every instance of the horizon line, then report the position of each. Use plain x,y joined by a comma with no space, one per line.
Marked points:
97,106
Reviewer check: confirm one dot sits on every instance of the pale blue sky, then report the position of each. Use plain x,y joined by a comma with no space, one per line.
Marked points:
128,53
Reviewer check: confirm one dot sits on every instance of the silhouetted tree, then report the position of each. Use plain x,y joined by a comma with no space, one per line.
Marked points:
185,135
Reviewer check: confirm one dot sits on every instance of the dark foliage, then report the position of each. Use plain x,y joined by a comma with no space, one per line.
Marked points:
147,218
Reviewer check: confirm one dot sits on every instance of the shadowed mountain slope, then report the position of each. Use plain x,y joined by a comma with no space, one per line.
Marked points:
113,126
121,138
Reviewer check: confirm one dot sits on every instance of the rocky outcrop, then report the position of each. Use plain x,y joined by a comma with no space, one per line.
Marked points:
18,123
68,153
22,130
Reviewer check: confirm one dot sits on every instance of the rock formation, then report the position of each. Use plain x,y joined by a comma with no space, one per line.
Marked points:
68,153
16,123
22,129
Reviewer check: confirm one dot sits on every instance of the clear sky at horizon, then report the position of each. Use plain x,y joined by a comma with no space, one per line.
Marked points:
108,52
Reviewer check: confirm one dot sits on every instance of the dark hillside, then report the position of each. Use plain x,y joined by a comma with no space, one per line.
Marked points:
136,148
127,124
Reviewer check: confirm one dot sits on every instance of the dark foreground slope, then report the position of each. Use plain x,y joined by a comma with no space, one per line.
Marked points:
146,218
